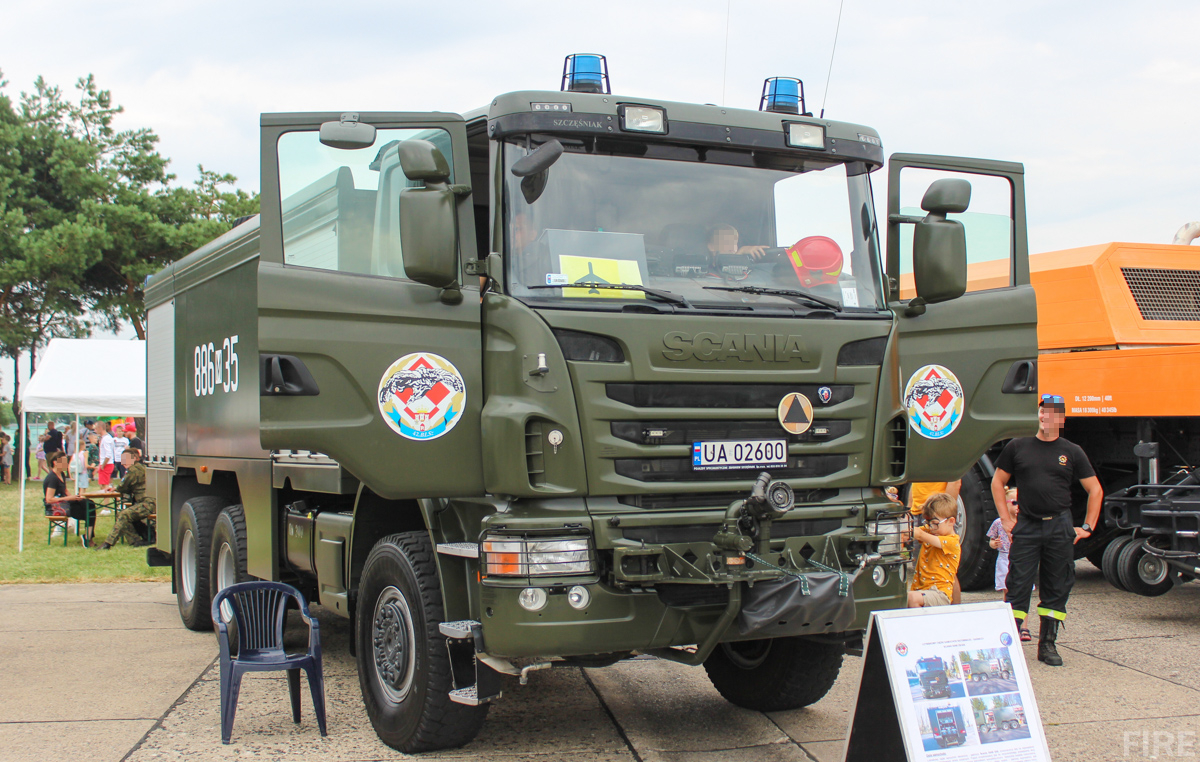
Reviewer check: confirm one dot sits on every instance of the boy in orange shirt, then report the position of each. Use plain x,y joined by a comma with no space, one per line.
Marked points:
933,582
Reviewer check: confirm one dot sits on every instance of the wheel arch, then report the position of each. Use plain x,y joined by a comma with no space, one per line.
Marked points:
377,517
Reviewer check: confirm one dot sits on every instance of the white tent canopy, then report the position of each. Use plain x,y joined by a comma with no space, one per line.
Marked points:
86,377
89,377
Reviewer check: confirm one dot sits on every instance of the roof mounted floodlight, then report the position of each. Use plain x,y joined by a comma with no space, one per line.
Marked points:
585,73
783,95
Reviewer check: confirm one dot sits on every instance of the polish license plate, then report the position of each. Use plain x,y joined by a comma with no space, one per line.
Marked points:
749,453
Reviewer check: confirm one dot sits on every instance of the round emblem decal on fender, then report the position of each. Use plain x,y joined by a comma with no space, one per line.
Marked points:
422,396
934,400
795,413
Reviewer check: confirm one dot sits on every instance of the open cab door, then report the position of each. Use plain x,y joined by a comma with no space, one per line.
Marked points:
369,328
968,347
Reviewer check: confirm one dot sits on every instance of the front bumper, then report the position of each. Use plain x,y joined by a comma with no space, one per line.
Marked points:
676,599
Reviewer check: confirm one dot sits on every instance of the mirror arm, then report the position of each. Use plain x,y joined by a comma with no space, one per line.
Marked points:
915,308
904,218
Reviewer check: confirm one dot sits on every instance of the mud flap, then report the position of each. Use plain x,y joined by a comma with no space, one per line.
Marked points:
784,607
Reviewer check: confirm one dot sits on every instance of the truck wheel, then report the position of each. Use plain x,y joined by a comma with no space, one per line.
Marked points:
403,665
227,566
774,675
193,544
1109,564
1143,573
977,567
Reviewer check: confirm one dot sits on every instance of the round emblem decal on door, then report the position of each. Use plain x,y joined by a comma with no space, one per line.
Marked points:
422,396
795,413
934,400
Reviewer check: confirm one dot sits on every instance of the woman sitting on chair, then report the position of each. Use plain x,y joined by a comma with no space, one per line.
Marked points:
55,485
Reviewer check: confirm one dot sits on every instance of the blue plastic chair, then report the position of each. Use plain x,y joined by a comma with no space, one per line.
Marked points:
260,610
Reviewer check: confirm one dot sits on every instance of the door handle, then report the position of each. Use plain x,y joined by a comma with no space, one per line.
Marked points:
285,376
1021,378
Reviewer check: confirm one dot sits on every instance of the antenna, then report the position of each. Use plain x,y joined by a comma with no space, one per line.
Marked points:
725,66
829,73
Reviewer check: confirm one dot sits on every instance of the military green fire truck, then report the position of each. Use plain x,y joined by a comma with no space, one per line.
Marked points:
571,378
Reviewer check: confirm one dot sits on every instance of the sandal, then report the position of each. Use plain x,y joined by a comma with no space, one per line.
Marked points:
1025,636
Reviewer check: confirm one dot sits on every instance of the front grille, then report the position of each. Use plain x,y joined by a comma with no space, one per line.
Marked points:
654,502
723,395
680,469
665,535
693,595
687,432
1163,294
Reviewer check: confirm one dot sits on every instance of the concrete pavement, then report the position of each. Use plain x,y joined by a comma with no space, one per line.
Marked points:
1130,690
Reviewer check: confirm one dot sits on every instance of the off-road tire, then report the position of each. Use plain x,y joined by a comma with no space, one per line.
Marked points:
1108,564
793,672
401,573
229,536
192,592
1127,567
977,567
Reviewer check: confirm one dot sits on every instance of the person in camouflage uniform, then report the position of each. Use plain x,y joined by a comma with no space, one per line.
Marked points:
133,487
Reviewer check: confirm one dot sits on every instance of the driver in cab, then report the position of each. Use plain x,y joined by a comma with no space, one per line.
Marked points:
723,241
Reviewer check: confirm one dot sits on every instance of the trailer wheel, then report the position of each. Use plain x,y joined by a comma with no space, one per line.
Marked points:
774,675
193,545
1143,573
1109,563
403,664
977,567
228,563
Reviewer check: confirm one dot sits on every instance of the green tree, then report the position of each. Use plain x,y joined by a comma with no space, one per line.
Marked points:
86,213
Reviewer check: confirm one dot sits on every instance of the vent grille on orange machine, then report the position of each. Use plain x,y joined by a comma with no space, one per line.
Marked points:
1163,294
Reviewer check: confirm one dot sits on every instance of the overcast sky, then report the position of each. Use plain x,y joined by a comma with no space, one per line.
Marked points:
1098,99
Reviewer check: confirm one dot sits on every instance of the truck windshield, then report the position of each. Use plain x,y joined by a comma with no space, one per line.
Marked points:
711,229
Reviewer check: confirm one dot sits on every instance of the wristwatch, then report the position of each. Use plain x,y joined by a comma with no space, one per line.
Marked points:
1086,527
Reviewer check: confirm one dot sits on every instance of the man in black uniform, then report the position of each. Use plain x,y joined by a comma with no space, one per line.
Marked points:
1044,534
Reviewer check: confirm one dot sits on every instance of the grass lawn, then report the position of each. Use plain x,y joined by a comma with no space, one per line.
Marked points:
53,563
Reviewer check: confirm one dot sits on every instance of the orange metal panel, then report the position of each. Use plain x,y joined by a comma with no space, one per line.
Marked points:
1162,381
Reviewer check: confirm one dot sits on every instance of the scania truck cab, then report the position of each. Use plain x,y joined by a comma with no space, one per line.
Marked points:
571,378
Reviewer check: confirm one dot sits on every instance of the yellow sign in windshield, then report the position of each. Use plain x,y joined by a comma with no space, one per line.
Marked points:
593,270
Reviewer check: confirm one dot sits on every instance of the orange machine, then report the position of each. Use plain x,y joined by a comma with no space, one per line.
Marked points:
1119,328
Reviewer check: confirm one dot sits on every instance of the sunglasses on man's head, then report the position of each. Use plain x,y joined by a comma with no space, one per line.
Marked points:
1053,399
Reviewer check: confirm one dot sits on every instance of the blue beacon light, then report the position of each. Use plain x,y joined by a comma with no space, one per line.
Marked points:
585,73
783,95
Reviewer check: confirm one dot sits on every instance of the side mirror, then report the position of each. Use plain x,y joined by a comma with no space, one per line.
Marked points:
940,245
534,169
348,134
428,217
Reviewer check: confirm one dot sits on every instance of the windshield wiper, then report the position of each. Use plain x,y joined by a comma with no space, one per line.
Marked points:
786,293
663,296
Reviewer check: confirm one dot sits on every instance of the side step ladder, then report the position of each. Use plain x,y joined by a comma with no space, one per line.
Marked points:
475,683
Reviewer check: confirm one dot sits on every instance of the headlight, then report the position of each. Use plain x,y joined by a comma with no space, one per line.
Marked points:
879,576
895,527
526,557
643,119
801,135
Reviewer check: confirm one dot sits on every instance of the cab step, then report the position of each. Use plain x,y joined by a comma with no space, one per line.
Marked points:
474,681
470,696
460,549
463,629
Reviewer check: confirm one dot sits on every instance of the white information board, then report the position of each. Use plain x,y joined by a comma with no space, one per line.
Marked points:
958,688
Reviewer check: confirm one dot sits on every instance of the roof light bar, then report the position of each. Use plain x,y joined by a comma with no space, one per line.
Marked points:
585,73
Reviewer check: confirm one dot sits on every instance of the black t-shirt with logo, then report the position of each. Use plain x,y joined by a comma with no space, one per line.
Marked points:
1044,472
